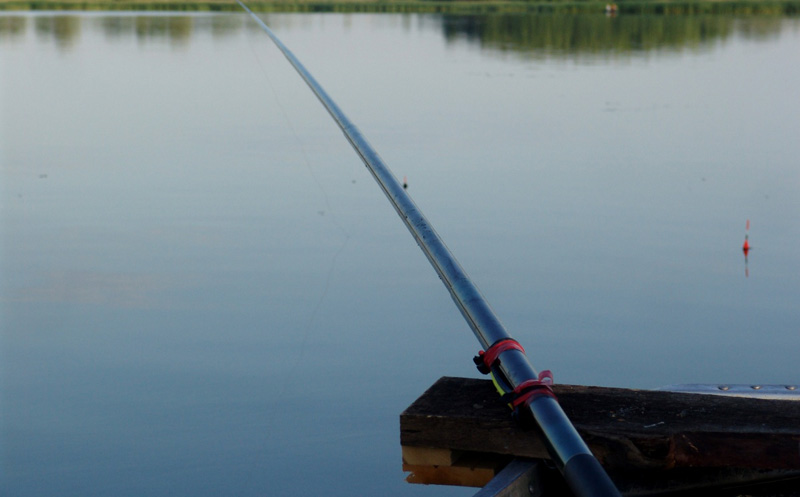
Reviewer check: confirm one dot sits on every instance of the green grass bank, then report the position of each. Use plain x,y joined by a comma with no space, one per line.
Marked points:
664,7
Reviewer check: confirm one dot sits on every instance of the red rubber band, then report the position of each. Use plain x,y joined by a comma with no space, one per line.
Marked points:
529,390
493,352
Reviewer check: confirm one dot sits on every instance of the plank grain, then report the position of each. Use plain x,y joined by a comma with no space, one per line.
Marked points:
626,429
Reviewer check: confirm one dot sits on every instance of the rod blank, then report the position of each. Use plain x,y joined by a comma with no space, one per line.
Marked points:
583,472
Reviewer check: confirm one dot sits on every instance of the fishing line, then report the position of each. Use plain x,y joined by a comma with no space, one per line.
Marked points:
303,151
288,372
326,199
333,218
581,470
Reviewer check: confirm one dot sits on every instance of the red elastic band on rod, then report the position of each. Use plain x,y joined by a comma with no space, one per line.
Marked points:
528,390
500,346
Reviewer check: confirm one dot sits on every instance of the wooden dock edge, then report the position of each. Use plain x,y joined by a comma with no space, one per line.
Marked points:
460,433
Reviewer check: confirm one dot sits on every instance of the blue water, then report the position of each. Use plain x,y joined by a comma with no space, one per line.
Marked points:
205,293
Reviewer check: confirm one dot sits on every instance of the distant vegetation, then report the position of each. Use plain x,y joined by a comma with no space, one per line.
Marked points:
543,35
739,7
560,35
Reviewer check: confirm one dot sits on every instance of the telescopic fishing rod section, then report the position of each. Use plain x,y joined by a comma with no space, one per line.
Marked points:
503,357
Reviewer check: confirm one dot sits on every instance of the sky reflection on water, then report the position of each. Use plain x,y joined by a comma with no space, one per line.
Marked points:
205,293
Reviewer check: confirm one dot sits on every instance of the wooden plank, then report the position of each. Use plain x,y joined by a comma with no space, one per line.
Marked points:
459,476
469,470
626,429
426,456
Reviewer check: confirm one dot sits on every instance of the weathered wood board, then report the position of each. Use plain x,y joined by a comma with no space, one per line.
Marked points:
628,430
464,469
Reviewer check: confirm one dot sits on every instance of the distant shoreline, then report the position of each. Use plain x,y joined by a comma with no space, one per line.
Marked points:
738,7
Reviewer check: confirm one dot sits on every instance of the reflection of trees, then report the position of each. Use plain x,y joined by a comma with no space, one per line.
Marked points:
759,28
64,29
12,26
177,28
573,34
223,25
117,26
552,34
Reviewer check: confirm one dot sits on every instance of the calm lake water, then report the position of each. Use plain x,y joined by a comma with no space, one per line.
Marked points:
205,293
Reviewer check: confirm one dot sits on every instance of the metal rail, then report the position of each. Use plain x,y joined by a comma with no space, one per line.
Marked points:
584,474
771,392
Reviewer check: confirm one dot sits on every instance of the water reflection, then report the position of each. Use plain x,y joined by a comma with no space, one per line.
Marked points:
116,290
177,29
555,34
597,33
174,308
64,30
12,26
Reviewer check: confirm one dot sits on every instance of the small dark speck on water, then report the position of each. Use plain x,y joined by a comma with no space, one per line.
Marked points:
42,176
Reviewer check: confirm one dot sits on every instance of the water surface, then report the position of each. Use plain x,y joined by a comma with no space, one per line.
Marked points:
205,293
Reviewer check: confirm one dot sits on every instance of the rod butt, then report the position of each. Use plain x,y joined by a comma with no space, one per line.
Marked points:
587,478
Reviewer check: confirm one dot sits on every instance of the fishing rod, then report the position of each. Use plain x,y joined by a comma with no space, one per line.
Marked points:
504,357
